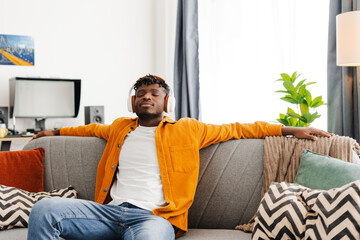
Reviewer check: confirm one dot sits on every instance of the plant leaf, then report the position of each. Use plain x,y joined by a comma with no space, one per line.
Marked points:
289,99
293,122
315,115
304,108
290,110
299,85
318,104
282,116
302,90
303,119
289,86
285,76
316,101
283,121
308,97
299,99
294,115
310,117
282,91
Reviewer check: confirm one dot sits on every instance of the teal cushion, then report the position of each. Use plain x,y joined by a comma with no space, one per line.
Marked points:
317,171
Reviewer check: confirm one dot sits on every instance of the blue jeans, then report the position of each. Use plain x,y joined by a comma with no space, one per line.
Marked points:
81,219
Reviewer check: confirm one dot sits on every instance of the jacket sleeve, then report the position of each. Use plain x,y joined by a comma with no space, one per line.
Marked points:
91,130
211,134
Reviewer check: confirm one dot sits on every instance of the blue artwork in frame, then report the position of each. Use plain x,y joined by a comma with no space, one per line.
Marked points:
17,50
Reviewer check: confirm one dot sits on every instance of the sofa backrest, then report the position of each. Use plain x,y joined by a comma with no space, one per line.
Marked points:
230,177
70,161
230,182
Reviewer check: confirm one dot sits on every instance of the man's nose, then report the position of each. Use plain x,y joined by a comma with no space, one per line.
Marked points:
147,96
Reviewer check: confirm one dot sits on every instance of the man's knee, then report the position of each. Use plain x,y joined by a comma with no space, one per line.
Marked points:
42,206
45,208
159,228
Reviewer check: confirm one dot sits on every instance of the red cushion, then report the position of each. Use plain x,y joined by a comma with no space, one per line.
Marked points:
23,169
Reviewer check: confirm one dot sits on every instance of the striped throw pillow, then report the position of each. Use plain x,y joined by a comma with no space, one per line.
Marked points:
16,204
333,214
291,211
281,214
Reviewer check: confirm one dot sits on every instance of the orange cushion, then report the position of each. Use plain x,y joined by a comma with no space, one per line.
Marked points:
23,169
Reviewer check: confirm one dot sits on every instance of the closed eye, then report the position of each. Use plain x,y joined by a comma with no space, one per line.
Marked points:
154,92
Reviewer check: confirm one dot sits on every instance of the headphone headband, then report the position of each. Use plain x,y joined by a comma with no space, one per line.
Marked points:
157,77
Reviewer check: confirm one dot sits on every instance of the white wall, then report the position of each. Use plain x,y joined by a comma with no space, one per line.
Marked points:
108,44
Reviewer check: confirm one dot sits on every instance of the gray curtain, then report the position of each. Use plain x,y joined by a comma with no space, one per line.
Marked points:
186,70
343,82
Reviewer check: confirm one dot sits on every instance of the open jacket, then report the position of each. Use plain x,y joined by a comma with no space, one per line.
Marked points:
177,146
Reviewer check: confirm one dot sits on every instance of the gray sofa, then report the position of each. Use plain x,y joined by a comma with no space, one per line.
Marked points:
228,192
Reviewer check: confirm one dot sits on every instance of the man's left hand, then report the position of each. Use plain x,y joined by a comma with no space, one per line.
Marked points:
305,132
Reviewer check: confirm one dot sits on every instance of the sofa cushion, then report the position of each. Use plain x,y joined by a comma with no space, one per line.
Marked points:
16,204
333,214
318,171
291,211
215,234
230,181
70,161
23,169
14,234
281,214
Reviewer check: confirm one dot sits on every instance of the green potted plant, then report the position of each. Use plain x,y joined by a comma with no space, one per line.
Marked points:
297,93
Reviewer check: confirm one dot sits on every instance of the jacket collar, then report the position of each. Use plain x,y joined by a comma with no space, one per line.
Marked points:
166,119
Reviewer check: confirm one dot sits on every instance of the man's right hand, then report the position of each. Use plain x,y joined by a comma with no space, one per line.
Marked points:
46,133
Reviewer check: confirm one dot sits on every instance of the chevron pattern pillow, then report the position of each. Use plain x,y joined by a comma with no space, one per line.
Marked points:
291,211
16,204
333,214
281,214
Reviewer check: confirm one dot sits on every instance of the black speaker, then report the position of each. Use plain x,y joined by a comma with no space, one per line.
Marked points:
4,115
94,114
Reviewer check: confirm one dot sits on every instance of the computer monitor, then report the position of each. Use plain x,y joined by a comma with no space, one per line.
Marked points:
42,98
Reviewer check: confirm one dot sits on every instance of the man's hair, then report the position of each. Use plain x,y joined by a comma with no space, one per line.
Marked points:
152,79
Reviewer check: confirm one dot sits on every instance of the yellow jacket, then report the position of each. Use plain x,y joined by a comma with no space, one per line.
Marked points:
177,146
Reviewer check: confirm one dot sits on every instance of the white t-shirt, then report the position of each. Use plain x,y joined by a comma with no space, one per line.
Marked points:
138,178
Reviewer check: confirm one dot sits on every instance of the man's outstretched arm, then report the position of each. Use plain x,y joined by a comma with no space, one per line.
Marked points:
90,130
304,132
47,133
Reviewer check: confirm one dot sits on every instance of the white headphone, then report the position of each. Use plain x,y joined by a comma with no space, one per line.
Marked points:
169,105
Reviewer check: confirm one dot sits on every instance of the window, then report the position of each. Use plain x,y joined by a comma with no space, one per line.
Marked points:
246,44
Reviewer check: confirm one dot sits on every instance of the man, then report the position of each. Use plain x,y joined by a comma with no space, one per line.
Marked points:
147,176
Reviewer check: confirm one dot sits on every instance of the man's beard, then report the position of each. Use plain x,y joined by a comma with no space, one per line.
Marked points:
148,116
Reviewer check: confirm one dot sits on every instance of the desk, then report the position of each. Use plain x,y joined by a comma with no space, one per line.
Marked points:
6,141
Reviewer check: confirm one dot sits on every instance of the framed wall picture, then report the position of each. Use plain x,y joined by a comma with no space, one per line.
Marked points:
17,50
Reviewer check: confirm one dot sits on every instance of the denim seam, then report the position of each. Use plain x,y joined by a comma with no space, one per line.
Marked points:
84,217
123,210
122,213
131,233
53,236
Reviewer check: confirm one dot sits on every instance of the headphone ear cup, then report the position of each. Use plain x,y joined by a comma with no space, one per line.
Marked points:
129,104
166,103
171,104
130,101
133,103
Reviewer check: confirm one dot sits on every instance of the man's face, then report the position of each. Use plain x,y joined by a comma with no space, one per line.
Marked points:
149,101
